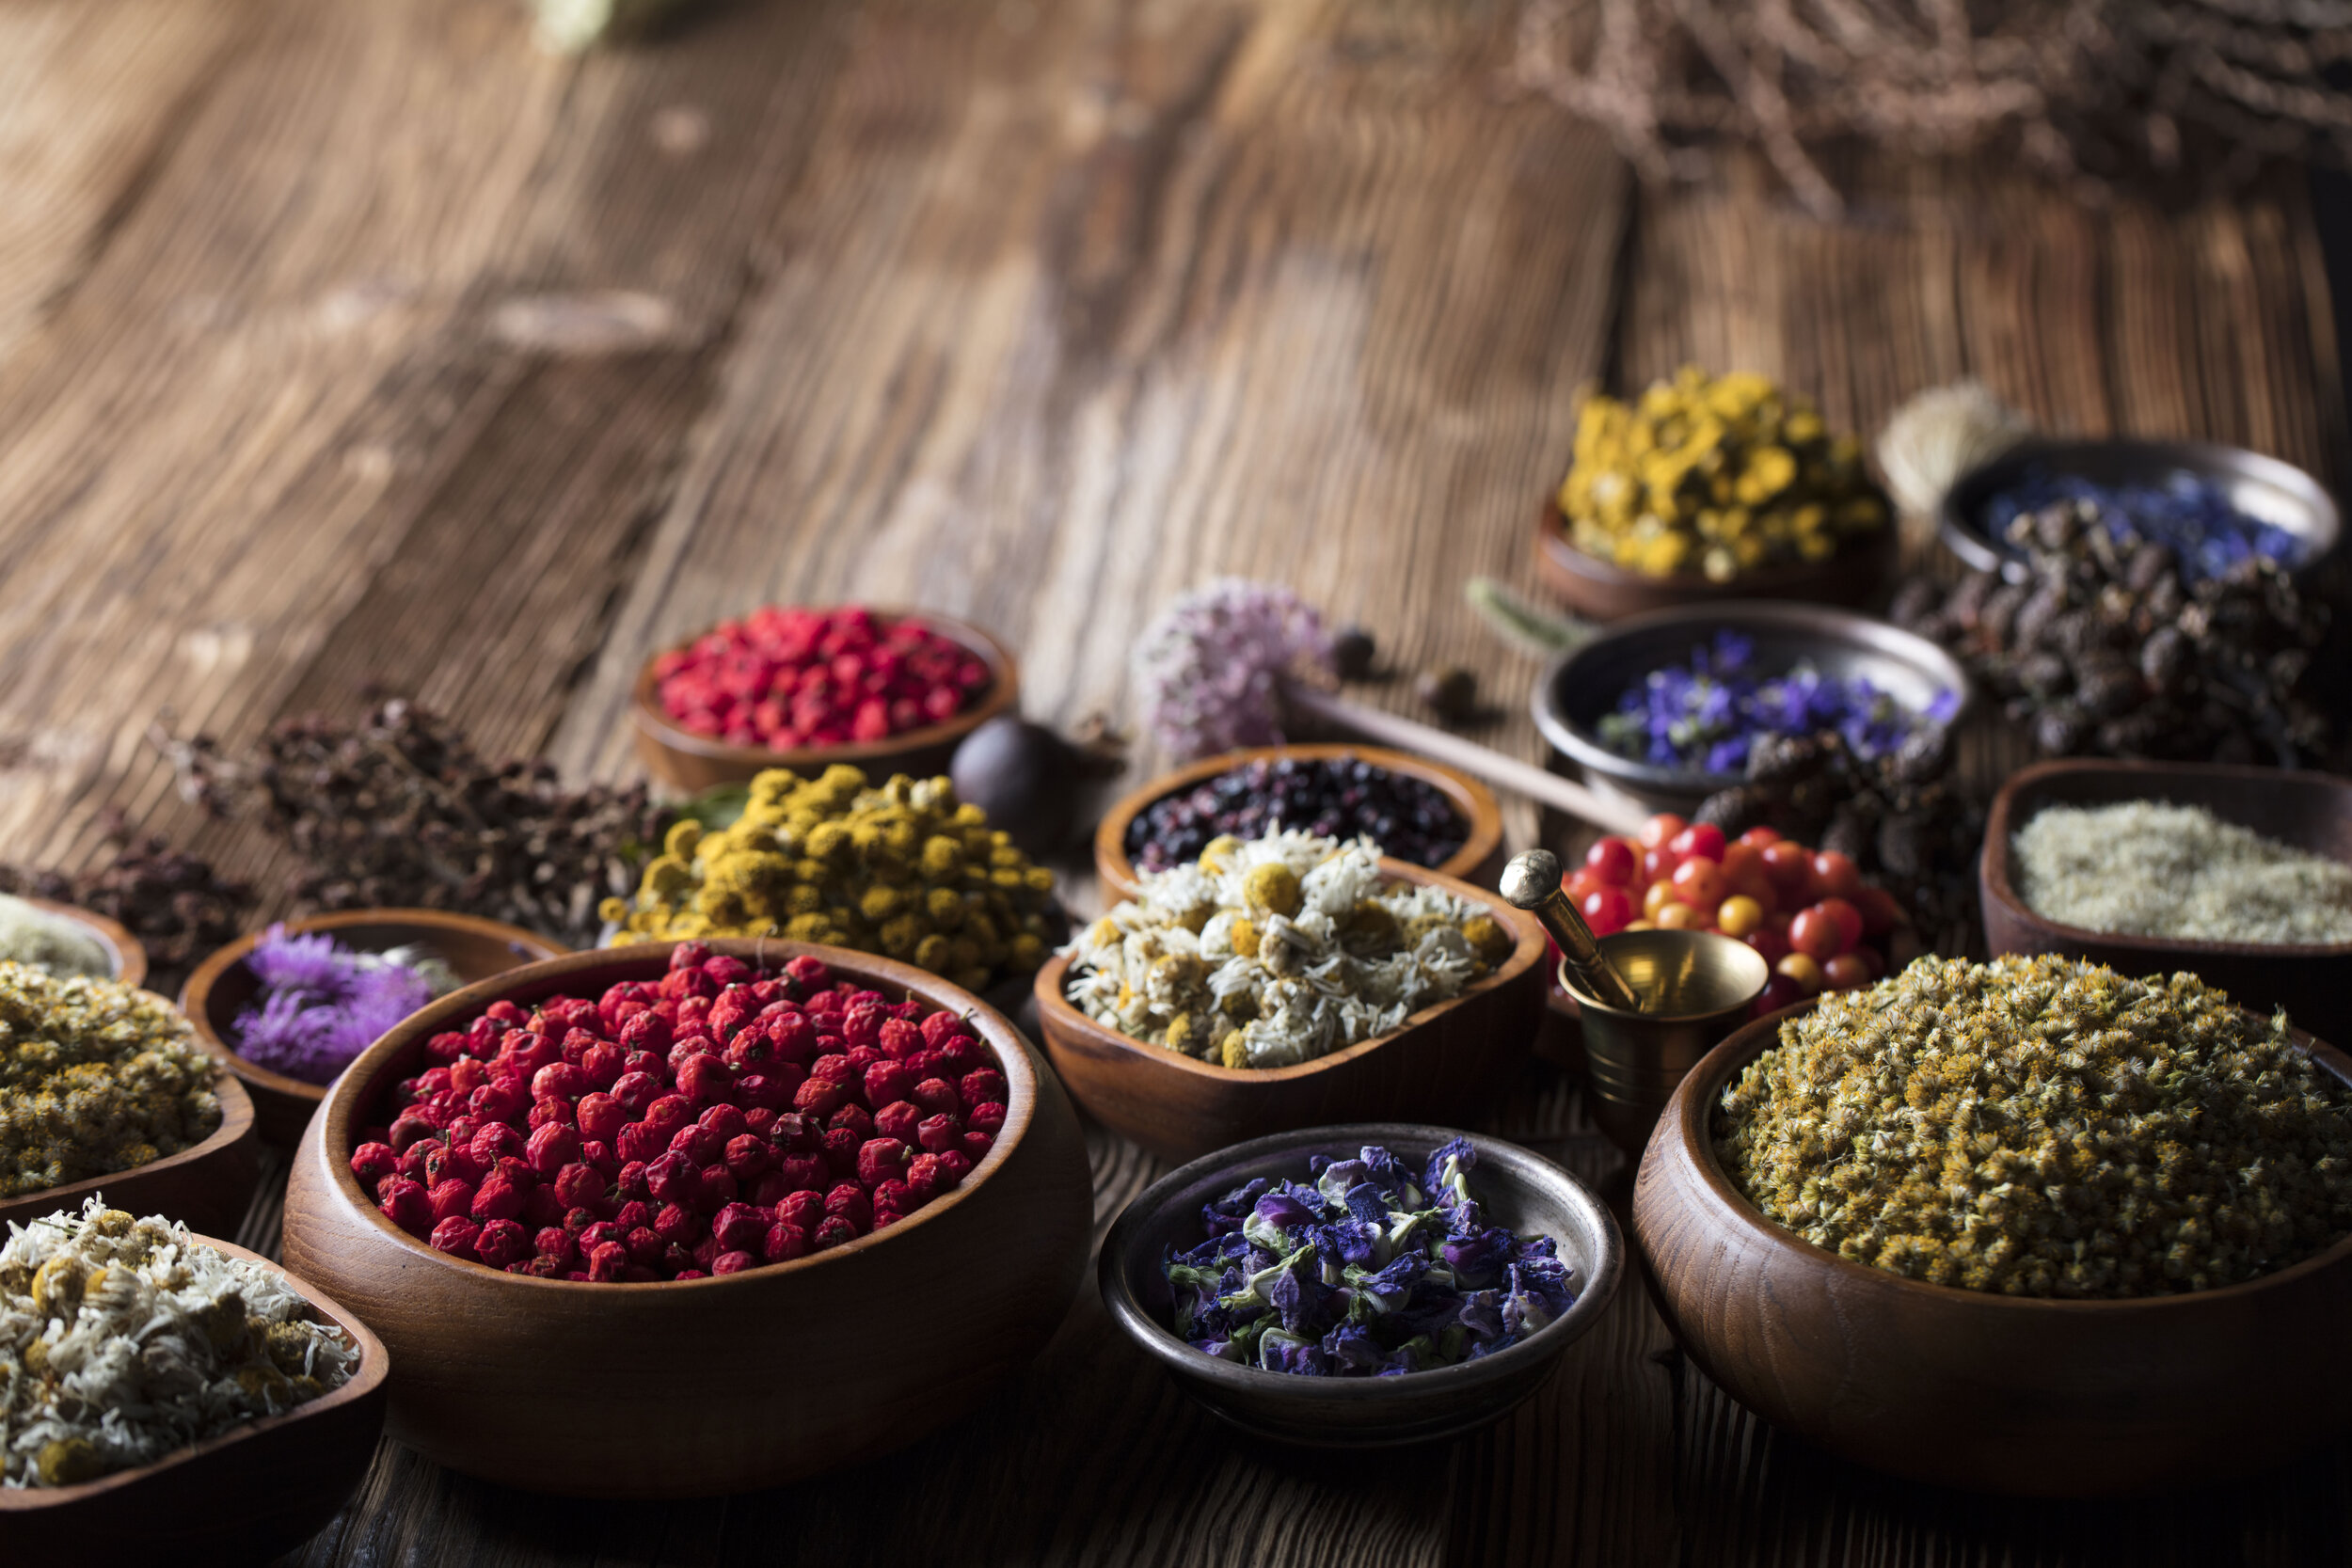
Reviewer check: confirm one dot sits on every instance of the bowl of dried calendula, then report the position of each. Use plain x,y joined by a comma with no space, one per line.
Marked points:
190,1402
2025,1227
1287,982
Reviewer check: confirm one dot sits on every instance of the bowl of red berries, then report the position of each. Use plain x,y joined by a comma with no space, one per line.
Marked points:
791,685
681,1219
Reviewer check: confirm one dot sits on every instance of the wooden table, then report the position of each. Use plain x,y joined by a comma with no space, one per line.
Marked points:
355,346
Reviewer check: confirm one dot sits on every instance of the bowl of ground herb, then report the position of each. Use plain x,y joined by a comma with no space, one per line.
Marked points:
2241,874
2028,1226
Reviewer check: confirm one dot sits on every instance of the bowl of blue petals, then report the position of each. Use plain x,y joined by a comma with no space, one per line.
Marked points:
1664,710
1361,1287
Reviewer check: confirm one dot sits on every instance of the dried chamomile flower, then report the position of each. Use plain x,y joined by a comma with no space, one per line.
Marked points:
123,1340
2044,1127
1277,950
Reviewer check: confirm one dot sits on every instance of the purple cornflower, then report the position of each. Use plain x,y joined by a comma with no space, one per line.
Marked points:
321,1003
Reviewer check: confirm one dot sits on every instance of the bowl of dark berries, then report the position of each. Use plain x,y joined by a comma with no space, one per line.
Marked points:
1362,1285
886,690
1666,709
1417,810
682,1219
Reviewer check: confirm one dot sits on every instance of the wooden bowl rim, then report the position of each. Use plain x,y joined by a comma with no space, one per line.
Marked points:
1157,1339
1001,696
1685,1125
129,954
1827,623
372,1069
1553,538
196,994
1056,1012
1481,814
374,1365
1993,859
236,1121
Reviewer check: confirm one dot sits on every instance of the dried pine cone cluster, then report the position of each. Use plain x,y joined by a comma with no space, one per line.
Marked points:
2105,651
1907,829
399,810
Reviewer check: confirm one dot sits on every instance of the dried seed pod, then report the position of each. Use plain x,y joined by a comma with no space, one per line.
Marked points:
2106,689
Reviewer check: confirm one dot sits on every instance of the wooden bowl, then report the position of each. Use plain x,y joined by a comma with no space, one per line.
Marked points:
221,987
205,1187
241,1498
2021,1395
1479,860
1515,1189
127,952
702,1386
1442,1064
1603,591
691,762
2311,811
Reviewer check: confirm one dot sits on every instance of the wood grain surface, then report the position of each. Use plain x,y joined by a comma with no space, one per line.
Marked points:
359,346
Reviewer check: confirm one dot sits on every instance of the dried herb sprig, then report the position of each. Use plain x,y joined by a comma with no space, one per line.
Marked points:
175,903
2086,90
399,810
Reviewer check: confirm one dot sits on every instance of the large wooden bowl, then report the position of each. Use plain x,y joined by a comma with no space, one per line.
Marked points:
689,763
1994,1393
126,951
239,1499
1442,1066
222,986
1603,591
2311,811
1479,860
707,1386
205,1186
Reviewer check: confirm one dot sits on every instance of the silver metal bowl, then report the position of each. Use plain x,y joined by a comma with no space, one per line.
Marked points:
2263,487
1523,1191
1584,684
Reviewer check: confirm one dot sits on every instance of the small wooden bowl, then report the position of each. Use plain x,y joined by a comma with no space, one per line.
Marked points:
2311,811
205,1187
127,952
474,949
696,1387
1603,591
241,1498
1442,1066
691,762
2023,1395
1522,1192
1479,860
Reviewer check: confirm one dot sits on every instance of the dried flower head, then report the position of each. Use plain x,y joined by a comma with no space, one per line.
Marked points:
1212,665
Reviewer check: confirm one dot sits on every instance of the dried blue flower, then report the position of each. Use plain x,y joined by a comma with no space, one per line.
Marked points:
2207,534
321,1003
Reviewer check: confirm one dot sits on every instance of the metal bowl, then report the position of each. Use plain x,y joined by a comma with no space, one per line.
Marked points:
1517,1189
2263,487
1583,685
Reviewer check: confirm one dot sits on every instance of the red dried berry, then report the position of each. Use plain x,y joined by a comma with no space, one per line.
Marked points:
677,1262
881,1160
898,1039
444,1046
941,1028
809,971
405,1203
739,1227
645,1247
898,1120
719,1187
674,1177
558,1081
635,1091
977,1145
705,1079
578,1220
851,1117
792,1039
502,1242
554,1242
832,1234
803,1209
759,1091
733,1262
372,1162
783,1242
747,1157
409,1126
600,1156
794,1133
645,1031
822,1097
839,1147
938,1134
725,1120
804,1172
862,1026
888,1082
938,1098
606,1260
451,1198
634,1180
978,1088
893,1201
957,1161
757,1119
601,1117
667,1114
552,1150
678,1223
495,1199
455,1236
466,1074
988,1117
698,1143
729,1012
501,1101
640,1140
553,1112
629,1215
850,1201
863,1059
597,1234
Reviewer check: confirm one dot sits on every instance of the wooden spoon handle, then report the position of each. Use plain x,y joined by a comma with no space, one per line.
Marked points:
1520,778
